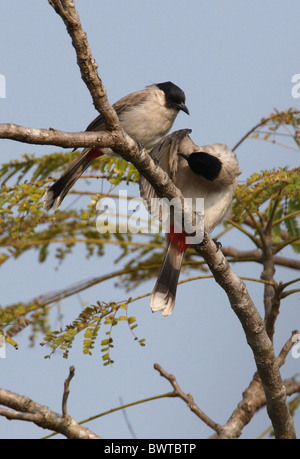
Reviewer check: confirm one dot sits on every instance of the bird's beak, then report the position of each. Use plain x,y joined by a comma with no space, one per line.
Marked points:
184,108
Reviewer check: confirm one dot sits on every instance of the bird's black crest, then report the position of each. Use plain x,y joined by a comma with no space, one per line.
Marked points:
174,95
204,164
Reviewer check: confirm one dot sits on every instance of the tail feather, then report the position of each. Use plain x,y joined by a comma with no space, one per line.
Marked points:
56,193
164,293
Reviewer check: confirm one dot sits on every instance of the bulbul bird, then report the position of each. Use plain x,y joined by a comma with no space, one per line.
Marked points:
208,172
146,115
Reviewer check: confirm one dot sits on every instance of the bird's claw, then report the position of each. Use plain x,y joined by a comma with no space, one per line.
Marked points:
218,244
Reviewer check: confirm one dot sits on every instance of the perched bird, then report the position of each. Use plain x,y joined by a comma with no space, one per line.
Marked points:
208,172
146,115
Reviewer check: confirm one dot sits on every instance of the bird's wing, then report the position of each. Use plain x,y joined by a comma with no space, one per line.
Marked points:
165,154
136,98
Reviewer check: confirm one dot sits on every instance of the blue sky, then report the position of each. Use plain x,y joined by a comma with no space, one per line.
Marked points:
235,61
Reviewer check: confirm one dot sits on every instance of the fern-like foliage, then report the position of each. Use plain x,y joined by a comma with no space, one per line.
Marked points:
272,199
90,320
280,128
23,223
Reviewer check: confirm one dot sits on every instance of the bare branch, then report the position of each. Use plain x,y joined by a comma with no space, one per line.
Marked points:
286,348
55,137
87,64
24,409
123,143
67,391
256,255
126,419
256,335
271,300
254,398
258,125
187,398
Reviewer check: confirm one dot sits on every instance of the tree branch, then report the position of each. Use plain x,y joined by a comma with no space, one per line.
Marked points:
67,391
87,64
187,398
252,130
271,300
256,335
55,137
124,144
24,409
254,398
256,255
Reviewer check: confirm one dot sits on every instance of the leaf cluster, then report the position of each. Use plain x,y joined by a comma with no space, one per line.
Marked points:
23,223
89,321
270,199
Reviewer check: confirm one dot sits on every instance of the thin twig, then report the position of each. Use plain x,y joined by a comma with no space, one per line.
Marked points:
187,398
118,408
126,419
286,348
252,130
67,391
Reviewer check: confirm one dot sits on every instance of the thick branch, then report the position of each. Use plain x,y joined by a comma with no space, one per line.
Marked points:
119,141
254,398
87,64
271,302
256,255
127,147
257,338
24,409
55,137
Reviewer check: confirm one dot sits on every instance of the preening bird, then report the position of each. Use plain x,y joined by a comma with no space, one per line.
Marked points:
208,172
146,115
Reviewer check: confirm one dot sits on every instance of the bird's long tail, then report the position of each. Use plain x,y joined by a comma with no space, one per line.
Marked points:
164,292
56,193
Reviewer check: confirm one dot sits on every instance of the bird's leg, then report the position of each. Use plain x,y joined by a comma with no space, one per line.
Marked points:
218,244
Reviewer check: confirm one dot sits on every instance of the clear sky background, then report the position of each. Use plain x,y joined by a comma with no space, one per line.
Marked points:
235,61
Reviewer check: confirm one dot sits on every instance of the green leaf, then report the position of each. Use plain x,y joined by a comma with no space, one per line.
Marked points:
131,320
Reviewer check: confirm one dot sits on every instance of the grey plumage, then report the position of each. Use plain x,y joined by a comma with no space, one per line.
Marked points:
208,172
145,115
